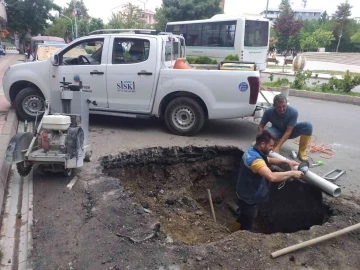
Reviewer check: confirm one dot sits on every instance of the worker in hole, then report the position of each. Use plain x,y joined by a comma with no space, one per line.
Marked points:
283,118
253,184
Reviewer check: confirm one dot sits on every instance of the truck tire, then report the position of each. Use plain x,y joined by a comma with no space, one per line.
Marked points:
28,103
184,116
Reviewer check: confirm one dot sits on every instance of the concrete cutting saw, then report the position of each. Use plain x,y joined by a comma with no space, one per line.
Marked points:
60,141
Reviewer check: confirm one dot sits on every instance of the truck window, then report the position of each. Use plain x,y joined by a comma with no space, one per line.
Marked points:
130,51
86,52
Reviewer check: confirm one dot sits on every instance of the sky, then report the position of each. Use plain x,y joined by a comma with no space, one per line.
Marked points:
103,9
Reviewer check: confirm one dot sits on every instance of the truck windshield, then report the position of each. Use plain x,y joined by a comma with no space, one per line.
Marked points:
256,33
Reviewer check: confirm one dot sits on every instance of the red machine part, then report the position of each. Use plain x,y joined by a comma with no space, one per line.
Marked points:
44,141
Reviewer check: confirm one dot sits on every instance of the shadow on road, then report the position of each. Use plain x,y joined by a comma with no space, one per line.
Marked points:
237,129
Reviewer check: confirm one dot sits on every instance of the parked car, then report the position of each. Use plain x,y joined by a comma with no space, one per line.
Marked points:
133,75
42,40
2,50
44,51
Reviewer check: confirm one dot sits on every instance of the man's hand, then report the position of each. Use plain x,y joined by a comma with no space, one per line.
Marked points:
298,174
292,163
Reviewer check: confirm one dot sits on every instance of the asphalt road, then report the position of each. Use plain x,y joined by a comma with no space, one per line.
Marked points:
334,124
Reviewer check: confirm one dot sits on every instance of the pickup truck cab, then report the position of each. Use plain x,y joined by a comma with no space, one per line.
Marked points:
133,74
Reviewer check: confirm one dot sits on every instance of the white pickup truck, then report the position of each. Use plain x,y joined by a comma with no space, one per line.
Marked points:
132,74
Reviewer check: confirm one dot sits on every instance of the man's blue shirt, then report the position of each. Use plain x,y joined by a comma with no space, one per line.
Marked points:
288,119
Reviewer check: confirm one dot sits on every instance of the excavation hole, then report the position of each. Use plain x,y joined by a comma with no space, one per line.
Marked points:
172,183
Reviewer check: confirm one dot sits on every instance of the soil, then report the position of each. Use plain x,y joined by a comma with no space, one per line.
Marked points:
149,209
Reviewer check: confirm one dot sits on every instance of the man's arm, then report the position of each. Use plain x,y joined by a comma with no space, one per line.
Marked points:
289,129
277,161
260,128
285,137
278,176
263,122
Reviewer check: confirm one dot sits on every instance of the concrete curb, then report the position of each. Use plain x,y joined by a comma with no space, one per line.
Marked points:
325,96
8,131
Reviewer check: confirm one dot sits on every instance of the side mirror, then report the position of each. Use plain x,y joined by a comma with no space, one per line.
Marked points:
55,60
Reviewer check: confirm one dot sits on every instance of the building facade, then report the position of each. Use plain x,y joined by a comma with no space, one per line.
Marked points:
149,17
300,13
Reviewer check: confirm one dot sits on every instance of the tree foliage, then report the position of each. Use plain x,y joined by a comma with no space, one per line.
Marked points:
287,27
342,21
355,39
63,27
309,43
79,6
323,38
183,10
130,17
29,16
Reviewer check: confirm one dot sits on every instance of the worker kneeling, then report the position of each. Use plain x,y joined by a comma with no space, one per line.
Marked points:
253,184
283,118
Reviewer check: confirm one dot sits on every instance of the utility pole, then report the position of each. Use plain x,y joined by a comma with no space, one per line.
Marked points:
267,7
76,28
144,2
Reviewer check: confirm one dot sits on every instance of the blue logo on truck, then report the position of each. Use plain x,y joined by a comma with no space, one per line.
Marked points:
243,87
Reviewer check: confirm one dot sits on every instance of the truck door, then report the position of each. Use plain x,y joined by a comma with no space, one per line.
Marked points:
131,73
84,61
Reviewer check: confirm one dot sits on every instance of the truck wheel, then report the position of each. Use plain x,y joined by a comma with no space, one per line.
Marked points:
29,103
184,116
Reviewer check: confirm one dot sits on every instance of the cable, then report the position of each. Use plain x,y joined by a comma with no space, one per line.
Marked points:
325,150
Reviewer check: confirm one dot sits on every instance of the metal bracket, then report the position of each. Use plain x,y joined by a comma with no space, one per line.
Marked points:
338,171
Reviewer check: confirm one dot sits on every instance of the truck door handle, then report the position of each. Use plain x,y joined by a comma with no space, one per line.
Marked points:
95,72
144,72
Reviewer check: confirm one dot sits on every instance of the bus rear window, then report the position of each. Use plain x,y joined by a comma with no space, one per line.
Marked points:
256,33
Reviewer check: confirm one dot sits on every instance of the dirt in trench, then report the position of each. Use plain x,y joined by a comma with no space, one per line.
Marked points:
118,217
177,195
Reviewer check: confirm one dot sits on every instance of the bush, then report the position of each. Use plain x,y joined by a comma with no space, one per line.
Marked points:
231,57
346,84
301,79
191,59
201,60
278,83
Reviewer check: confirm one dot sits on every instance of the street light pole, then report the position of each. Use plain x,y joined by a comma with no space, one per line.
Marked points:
76,28
144,2
267,7
72,27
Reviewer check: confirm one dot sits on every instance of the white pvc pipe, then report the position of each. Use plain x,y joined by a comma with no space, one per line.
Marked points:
312,178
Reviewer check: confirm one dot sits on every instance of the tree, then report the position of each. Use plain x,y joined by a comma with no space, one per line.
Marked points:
324,17
309,44
60,28
29,17
130,17
323,38
79,6
286,26
160,19
341,17
183,10
355,39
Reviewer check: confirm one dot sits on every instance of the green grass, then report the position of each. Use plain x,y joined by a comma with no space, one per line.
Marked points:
316,89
